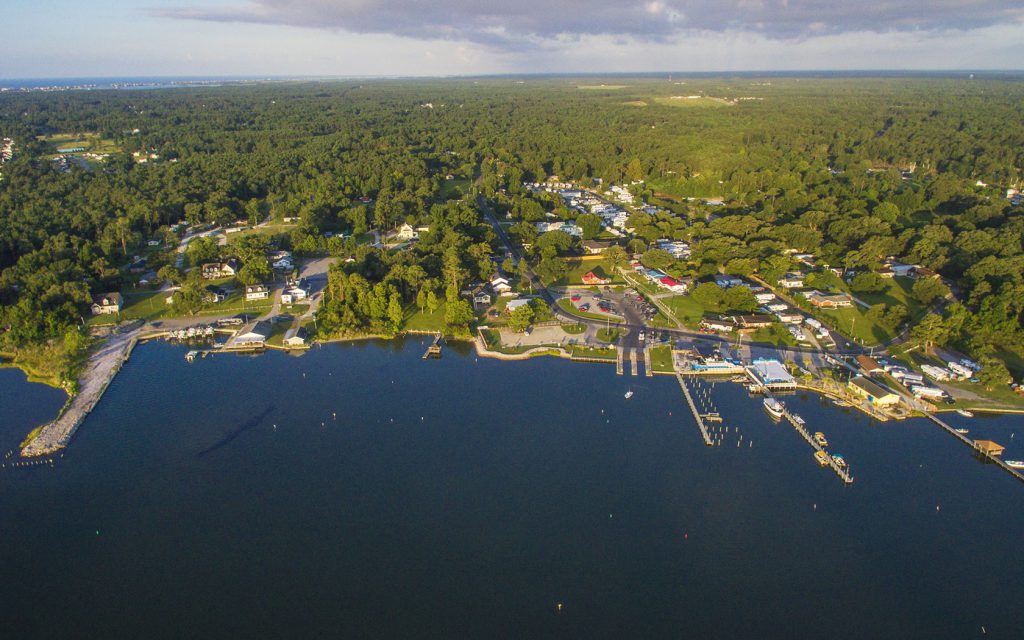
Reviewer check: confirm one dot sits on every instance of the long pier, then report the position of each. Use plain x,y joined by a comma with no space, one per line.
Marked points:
696,414
843,474
633,362
974,445
648,369
619,357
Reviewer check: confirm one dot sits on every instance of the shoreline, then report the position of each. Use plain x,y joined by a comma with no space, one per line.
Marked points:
105,363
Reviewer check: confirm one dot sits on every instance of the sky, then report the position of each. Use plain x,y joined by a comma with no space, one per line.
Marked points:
125,38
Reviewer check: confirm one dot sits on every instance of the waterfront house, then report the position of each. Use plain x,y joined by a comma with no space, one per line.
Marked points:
108,303
873,393
296,337
254,338
829,300
256,292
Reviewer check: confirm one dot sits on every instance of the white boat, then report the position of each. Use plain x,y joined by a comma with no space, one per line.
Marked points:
797,419
965,413
1016,464
774,407
961,431
629,394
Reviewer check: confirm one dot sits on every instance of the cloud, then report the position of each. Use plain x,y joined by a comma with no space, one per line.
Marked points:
523,24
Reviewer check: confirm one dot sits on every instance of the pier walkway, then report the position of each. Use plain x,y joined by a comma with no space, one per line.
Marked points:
648,369
619,357
101,368
696,414
974,445
633,362
843,473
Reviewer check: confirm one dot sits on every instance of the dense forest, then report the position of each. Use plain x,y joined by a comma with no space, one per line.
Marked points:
853,170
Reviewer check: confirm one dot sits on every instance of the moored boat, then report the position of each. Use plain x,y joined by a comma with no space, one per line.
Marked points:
774,407
821,457
965,413
1016,464
962,431
629,394
819,437
839,460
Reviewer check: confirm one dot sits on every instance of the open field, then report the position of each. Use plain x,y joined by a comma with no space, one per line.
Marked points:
610,87
89,142
685,101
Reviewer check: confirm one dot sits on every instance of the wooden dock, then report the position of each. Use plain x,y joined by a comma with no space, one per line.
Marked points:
693,408
843,473
434,350
974,445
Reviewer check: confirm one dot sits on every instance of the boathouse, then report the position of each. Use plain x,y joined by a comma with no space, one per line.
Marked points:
873,393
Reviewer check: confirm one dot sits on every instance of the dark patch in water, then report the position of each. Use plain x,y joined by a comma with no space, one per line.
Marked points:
237,431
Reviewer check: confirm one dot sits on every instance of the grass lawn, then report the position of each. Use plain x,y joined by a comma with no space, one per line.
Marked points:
688,310
277,331
609,335
150,305
574,329
661,358
776,334
854,322
416,320
683,101
579,267
606,353
454,188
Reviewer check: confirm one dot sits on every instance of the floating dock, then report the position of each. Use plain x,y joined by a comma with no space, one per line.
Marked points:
696,414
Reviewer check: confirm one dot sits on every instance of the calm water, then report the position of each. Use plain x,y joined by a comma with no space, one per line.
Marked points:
465,498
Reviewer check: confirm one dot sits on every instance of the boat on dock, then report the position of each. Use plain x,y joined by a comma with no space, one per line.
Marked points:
819,437
821,457
965,413
774,407
1016,464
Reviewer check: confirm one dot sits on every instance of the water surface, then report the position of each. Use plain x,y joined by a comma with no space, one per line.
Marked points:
359,491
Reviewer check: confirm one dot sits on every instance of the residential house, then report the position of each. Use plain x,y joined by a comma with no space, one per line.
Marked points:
256,292
590,278
284,263
873,393
254,338
226,269
789,316
718,325
214,294
501,286
293,295
512,305
296,337
792,280
406,233
752,322
107,303
594,247
764,297
869,365
829,300
726,281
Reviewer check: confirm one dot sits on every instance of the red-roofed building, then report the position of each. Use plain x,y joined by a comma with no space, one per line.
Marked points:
672,284
591,278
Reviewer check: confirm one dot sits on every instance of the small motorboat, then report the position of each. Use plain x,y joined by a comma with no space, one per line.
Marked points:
821,457
819,437
1016,464
962,431
965,413
629,394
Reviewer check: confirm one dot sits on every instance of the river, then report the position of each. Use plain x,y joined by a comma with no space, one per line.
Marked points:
360,491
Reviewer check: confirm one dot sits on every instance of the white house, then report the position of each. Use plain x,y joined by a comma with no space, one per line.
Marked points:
792,280
406,233
108,303
500,286
256,292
